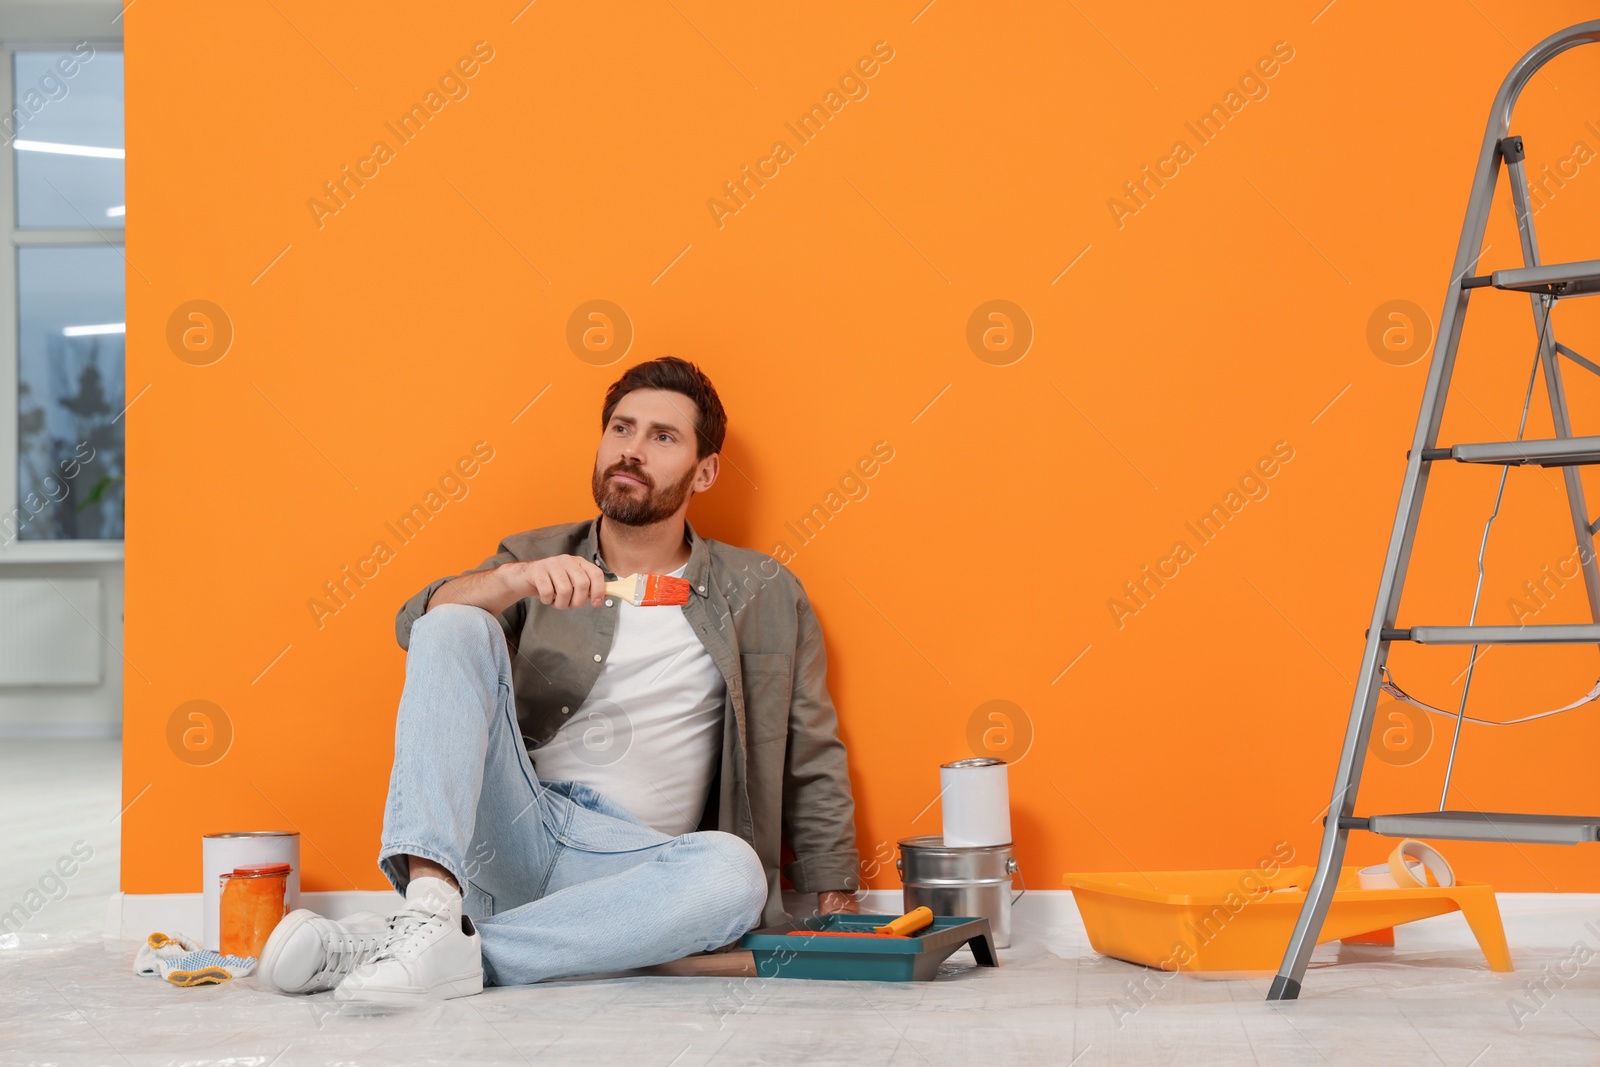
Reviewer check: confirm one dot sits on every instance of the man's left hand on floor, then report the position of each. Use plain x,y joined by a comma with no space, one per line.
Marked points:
832,901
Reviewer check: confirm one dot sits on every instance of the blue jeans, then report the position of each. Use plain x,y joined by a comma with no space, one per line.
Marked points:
560,880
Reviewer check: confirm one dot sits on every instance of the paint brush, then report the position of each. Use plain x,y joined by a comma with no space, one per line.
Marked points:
650,590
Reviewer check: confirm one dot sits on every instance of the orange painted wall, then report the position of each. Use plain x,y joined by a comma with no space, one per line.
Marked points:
373,346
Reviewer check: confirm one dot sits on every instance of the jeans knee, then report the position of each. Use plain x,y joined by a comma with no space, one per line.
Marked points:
467,618
461,637
456,624
740,870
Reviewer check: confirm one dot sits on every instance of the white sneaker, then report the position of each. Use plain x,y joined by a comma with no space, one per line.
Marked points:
432,952
308,953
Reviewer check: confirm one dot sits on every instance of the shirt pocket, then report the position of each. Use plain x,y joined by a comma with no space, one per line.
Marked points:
767,679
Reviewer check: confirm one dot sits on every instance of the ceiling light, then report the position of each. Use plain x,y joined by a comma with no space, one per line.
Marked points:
60,149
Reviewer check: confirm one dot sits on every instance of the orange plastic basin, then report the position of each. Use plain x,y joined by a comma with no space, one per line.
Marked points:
1241,920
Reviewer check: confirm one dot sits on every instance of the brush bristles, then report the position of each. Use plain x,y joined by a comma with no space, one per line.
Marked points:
662,590
649,590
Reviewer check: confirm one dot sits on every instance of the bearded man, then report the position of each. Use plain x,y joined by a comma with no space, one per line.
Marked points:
582,785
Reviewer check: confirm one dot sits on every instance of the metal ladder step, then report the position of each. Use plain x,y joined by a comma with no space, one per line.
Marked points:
1550,279
1552,452
1487,826
1585,633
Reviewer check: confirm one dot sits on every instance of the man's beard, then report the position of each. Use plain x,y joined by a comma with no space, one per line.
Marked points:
641,505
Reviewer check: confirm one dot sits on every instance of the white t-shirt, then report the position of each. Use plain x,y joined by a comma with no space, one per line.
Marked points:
649,736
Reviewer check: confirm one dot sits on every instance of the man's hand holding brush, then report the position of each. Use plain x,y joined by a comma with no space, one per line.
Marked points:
558,582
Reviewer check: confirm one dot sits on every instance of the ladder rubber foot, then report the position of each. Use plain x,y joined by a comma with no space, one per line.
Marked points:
1284,989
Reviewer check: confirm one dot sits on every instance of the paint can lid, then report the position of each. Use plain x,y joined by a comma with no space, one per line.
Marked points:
261,870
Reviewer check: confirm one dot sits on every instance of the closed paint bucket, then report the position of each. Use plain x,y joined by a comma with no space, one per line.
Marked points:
973,881
976,802
221,853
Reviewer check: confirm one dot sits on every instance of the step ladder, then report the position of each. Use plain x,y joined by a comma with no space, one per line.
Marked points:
1546,284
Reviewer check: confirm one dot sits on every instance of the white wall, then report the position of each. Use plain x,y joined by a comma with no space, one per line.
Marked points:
73,710
79,710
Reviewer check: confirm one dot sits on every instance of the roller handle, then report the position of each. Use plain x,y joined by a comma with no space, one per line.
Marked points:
909,923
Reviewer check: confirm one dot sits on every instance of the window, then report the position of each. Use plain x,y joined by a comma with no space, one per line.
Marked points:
66,275
69,389
69,141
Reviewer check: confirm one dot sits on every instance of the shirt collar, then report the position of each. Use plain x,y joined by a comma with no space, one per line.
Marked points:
697,571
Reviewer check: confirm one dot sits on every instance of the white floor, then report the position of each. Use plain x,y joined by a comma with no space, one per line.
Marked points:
68,995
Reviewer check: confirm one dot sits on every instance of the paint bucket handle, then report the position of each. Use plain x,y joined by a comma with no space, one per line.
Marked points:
1013,868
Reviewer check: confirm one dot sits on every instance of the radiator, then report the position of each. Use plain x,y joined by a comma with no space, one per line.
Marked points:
49,631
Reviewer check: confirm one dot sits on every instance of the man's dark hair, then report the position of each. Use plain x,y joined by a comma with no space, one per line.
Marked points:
678,376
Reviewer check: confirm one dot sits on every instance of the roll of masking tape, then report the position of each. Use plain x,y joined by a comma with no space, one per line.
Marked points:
1406,875
1378,876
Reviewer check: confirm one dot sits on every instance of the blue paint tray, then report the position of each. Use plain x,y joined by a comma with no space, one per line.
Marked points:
874,959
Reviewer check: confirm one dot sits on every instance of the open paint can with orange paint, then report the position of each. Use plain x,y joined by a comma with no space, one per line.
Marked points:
222,854
255,898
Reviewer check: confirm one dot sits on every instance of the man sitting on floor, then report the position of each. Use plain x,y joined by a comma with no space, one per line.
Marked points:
581,785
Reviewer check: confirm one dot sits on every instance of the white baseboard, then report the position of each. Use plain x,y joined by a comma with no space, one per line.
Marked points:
1043,907
137,915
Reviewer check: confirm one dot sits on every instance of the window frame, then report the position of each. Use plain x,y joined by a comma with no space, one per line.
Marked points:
12,240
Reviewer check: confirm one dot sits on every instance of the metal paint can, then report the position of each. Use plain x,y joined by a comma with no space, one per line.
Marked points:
973,881
976,803
221,853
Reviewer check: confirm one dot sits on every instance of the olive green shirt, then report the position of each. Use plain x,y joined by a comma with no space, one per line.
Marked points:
783,773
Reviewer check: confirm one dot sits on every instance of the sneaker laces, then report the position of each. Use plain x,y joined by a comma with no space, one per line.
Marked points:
408,931
344,952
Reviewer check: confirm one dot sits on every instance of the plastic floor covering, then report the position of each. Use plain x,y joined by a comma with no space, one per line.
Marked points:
68,995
